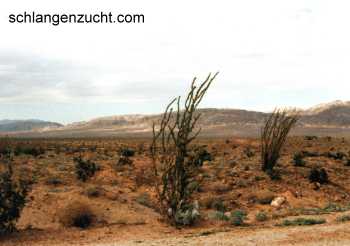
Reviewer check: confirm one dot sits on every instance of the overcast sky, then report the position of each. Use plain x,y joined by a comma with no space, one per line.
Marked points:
269,53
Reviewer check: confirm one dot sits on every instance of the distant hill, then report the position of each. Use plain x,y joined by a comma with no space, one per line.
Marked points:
27,125
324,119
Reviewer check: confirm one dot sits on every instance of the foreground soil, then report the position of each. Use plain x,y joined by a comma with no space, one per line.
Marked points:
123,202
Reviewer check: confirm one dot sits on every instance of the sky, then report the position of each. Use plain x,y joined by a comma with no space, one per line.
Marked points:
269,54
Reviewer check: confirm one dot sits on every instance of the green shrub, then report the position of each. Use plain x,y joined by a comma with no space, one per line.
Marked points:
332,207
261,216
306,153
218,215
218,204
28,150
237,217
126,152
124,160
343,218
248,152
303,221
187,215
85,169
318,175
298,160
311,138
53,181
335,155
12,200
199,155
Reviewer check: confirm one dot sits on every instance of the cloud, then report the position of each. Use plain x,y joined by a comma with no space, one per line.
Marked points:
30,79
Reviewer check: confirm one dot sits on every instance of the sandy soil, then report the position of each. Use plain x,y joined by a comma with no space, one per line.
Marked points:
125,205
323,235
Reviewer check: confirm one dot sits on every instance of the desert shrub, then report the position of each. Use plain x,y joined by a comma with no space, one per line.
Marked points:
332,207
343,218
218,215
237,217
306,153
218,205
170,149
77,214
274,174
53,181
12,199
336,155
318,175
298,160
274,135
261,216
249,152
85,169
302,222
123,161
310,138
187,215
28,150
126,152
93,191
5,147
199,155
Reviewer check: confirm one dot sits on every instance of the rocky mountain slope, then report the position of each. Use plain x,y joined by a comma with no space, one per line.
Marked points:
27,125
325,119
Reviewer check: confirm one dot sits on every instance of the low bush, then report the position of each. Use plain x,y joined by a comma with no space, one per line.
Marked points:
77,214
199,155
28,150
318,175
124,160
12,200
311,138
249,152
298,160
302,222
126,152
218,215
237,217
85,169
261,216
335,155
343,218
53,181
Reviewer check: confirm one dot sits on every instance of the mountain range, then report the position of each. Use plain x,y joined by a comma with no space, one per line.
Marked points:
324,119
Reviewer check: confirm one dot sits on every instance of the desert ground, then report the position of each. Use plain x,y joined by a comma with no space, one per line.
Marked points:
121,200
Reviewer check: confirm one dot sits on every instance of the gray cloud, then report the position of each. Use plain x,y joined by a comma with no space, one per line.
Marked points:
30,78
25,75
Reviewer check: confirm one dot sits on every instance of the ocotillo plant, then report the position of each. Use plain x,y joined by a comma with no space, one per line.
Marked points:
273,136
169,151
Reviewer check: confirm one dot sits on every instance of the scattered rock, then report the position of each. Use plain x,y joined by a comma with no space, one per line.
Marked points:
278,201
